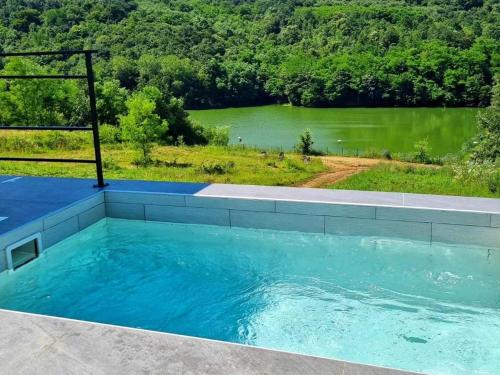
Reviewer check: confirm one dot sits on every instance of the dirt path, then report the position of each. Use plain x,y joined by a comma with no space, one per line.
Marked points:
340,168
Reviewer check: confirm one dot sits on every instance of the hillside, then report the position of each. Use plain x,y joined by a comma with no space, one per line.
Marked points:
214,53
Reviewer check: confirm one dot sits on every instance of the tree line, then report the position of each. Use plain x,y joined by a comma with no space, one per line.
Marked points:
217,53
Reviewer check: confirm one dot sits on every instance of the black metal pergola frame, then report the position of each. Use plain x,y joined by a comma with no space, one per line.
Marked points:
93,109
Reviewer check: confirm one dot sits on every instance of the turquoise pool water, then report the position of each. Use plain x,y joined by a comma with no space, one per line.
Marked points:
386,302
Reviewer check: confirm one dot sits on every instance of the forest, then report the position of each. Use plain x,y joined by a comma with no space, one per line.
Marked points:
219,53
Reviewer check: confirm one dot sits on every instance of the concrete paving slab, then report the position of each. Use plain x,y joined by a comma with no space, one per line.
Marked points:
35,344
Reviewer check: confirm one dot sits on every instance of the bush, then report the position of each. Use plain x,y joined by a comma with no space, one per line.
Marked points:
487,143
422,152
217,168
110,164
305,142
218,136
109,134
487,173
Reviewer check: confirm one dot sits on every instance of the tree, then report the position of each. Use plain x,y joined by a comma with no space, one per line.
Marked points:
142,126
110,101
125,71
38,102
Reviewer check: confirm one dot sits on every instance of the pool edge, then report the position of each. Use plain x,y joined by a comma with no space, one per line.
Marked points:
74,346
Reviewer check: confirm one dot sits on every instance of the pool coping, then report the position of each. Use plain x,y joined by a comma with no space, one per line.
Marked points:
46,344
409,216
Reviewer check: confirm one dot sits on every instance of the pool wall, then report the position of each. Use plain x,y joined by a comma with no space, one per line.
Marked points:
429,225
57,226
406,216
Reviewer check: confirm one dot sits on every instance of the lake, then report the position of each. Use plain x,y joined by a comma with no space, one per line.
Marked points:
394,129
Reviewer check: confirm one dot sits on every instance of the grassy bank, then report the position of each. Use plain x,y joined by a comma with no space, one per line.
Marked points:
411,179
233,164
188,164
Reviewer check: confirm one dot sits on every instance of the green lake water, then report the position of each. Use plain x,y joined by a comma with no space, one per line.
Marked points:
394,129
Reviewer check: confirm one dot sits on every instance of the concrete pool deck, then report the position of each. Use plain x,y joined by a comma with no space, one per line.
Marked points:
57,208
34,344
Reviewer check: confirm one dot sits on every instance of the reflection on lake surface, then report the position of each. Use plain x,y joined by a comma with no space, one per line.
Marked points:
394,129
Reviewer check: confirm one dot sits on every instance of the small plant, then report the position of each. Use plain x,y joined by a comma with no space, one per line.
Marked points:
217,168
387,154
422,151
493,182
110,164
180,141
305,142
172,164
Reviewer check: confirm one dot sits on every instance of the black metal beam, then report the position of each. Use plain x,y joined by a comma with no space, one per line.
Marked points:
87,161
49,76
46,53
65,128
93,118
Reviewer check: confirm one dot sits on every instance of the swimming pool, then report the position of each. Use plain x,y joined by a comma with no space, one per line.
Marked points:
396,303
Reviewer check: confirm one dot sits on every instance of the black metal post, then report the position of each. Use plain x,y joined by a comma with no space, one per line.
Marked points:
93,117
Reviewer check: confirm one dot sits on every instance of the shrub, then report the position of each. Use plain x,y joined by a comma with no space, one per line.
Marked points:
493,181
305,142
218,136
172,164
487,143
110,164
487,173
387,154
422,151
109,134
217,168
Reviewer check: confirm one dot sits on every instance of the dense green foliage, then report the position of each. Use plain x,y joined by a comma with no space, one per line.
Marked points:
242,52
145,115
487,145
141,126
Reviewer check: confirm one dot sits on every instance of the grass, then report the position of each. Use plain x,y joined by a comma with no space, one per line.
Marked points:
410,179
188,164
209,164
